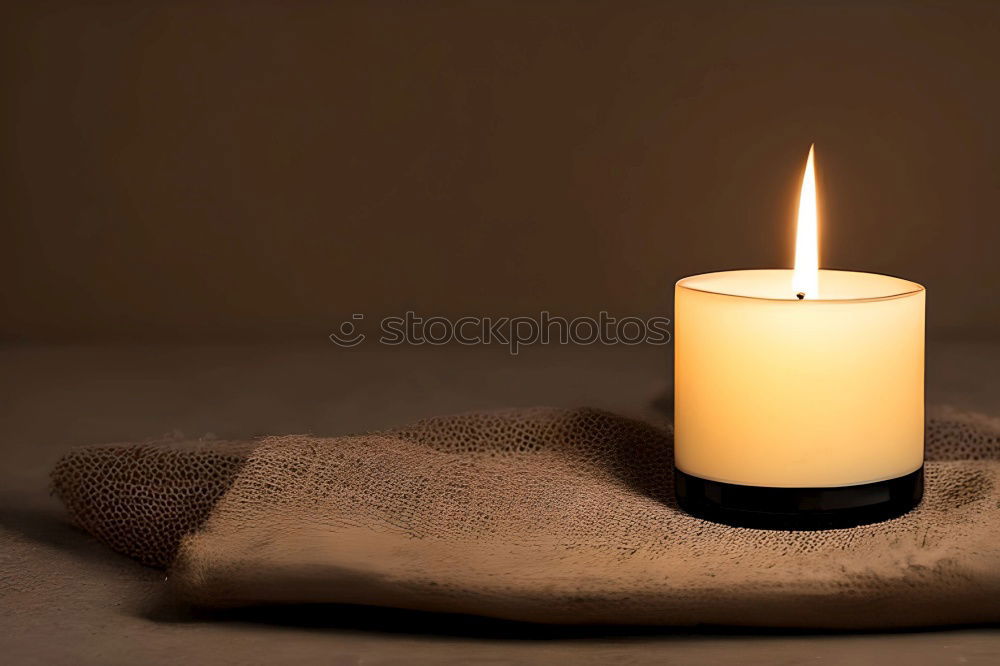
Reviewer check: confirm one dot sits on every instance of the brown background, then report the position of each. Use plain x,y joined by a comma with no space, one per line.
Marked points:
244,170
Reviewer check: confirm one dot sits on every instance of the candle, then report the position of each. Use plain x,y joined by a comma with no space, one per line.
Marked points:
799,393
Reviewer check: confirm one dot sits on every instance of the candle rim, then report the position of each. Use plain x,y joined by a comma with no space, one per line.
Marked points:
914,287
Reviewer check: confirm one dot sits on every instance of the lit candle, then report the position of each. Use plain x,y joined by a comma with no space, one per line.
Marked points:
799,394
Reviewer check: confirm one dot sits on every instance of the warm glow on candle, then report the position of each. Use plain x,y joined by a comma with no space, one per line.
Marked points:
798,393
805,278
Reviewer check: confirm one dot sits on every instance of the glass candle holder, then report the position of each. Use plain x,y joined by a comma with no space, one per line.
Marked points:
798,413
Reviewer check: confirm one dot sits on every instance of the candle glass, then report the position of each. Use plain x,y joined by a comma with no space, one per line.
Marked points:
798,413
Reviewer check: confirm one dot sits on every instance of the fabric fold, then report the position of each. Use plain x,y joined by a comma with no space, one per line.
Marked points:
540,515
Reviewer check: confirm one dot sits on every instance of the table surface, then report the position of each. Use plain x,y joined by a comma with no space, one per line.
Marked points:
64,598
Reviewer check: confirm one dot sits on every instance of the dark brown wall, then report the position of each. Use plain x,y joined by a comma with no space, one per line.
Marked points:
207,170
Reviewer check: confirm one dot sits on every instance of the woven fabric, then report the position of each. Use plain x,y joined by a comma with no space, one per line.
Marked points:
543,515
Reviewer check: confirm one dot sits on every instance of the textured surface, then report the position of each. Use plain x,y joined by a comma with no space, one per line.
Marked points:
536,514
141,500
68,599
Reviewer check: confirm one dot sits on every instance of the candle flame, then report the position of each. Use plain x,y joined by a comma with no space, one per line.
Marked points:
805,277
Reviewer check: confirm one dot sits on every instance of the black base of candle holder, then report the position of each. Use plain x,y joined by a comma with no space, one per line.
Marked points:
798,508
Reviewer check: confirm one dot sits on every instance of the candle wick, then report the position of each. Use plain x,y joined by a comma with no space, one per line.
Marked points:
801,295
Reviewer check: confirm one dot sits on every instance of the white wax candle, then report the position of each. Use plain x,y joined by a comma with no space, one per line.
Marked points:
775,391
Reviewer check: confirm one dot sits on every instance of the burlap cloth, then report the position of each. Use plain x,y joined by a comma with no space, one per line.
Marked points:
541,515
